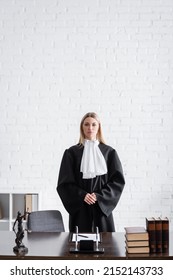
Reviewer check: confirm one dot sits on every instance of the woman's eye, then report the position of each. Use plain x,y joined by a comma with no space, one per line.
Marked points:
87,124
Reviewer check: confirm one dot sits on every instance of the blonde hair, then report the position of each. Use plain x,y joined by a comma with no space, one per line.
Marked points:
99,133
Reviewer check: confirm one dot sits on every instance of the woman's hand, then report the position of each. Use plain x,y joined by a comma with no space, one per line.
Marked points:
90,198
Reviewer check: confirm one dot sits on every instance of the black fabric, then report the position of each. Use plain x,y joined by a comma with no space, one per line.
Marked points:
72,190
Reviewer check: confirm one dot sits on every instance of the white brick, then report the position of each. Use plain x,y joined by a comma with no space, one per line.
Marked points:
60,59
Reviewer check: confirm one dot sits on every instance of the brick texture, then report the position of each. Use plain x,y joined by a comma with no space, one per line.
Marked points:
60,59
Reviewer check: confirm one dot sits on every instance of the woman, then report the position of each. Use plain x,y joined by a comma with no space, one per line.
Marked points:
90,180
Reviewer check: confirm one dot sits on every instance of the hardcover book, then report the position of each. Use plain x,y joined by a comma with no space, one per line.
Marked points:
151,228
140,250
158,223
165,235
28,202
136,233
158,229
137,243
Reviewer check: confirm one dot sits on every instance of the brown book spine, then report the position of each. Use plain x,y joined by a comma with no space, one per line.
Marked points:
165,235
151,228
28,202
158,223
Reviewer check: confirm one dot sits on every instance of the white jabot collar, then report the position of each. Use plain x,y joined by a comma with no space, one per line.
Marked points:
93,162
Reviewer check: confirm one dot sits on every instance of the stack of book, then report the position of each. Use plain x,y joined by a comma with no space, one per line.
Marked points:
137,240
158,230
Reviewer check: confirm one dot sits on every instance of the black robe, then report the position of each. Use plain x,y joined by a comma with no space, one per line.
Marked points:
72,189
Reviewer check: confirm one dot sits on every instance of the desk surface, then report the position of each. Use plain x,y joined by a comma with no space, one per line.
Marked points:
57,246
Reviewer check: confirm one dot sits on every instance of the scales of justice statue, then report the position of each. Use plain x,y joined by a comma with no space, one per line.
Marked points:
20,247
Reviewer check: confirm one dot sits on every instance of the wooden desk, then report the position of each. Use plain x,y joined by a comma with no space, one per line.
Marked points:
57,246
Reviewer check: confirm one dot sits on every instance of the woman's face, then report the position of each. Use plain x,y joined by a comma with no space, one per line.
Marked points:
90,128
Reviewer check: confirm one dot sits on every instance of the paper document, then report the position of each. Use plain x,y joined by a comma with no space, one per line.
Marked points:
85,236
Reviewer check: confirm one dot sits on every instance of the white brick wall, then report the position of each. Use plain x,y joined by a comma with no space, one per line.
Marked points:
60,59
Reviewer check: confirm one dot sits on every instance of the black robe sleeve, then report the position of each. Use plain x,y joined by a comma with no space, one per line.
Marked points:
71,195
109,195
